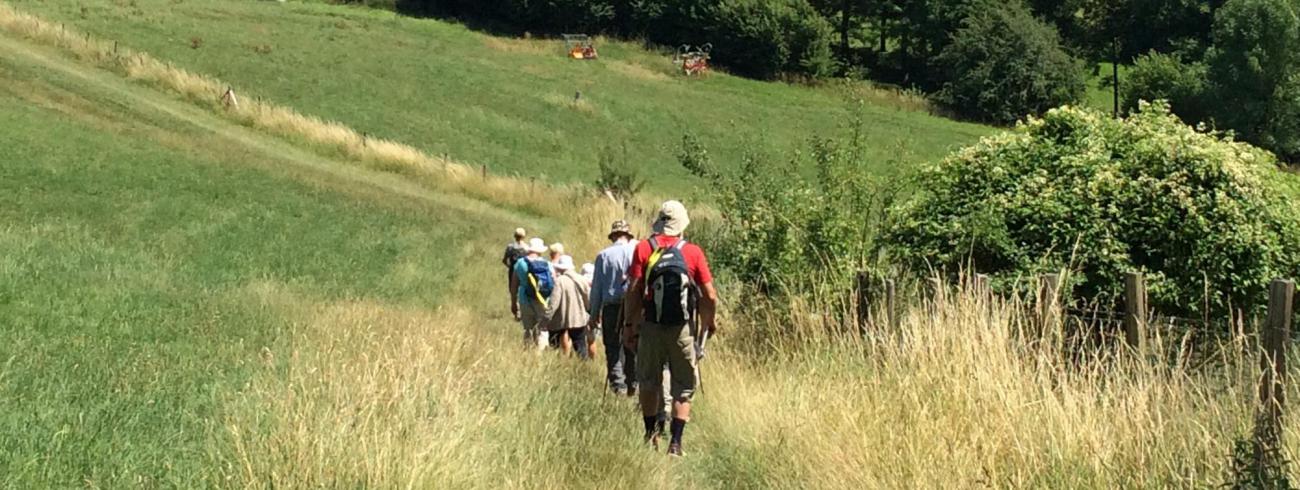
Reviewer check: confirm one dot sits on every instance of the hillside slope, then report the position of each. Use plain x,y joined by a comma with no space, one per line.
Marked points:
157,259
504,103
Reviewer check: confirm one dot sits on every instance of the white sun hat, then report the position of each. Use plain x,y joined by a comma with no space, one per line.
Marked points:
537,246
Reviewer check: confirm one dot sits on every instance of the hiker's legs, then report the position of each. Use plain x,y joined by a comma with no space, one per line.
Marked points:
681,367
611,319
650,359
530,315
578,337
566,342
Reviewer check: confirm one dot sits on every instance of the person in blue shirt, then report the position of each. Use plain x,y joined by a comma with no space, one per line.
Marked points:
608,286
528,303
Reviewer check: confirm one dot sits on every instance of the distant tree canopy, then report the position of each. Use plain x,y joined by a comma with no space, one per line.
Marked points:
754,38
1247,80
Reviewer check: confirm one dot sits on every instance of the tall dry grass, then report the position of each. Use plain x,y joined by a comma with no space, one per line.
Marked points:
958,395
964,393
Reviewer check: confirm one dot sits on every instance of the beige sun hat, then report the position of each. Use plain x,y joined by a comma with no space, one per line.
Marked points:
620,227
564,263
537,246
672,220
520,233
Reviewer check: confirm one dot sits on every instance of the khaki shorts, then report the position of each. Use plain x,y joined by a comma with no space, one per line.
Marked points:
672,345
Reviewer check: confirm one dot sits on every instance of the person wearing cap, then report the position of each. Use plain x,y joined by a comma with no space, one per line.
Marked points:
526,308
673,343
566,310
515,250
557,250
608,288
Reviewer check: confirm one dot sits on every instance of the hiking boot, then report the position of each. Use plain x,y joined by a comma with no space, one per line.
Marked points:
675,449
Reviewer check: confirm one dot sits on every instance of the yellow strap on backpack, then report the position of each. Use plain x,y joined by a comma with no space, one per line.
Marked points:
537,290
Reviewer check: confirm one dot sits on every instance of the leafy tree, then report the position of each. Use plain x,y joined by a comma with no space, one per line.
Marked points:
1003,64
847,16
1254,73
1120,30
1104,196
1159,76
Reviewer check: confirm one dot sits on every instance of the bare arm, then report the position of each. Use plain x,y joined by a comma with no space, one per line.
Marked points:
709,308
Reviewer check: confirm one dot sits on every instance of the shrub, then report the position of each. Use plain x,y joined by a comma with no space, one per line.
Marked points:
1077,189
785,232
764,38
1158,76
1004,64
618,175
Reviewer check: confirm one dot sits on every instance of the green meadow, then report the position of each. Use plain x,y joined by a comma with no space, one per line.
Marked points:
505,103
192,300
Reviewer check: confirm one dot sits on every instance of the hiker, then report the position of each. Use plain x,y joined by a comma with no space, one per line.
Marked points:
588,273
531,285
671,290
566,310
557,251
514,251
608,288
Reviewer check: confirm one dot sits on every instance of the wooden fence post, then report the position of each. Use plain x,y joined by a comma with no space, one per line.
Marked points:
891,303
862,287
1272,395
937,291
1135,309
1048,297
983,291
484,168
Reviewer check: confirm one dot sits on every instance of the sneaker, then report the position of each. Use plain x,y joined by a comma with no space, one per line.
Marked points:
675,449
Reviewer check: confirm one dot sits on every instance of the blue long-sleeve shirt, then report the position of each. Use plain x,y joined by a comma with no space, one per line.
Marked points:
609,281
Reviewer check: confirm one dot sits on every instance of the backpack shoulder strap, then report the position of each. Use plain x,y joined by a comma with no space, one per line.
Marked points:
681,243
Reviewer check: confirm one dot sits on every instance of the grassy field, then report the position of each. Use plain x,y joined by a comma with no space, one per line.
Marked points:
505,103
201,302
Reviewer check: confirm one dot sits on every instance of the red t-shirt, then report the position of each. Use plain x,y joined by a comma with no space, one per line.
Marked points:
696,264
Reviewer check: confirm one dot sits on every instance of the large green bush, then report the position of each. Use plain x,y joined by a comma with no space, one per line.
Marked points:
1103,196
1004,64
1158,76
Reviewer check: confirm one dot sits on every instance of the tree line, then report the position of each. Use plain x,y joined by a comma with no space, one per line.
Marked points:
1231,64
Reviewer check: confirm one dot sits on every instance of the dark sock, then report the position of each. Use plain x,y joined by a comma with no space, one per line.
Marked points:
679,426
650,425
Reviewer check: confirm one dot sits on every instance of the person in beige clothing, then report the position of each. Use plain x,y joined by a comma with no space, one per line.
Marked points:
566,311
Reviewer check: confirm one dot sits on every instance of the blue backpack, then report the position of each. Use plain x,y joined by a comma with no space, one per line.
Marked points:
540,283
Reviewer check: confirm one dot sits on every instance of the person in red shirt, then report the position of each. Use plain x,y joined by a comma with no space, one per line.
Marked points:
671,290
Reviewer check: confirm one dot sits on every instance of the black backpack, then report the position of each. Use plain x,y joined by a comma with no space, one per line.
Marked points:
672,295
